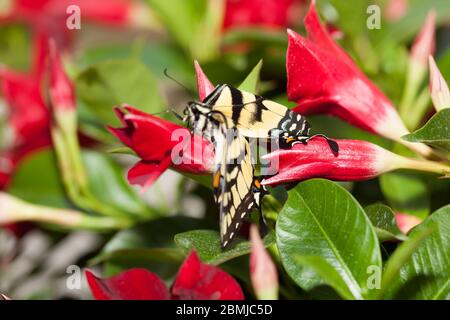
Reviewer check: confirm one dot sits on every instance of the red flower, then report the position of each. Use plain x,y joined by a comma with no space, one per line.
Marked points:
322,78
161,144
28,116
273,14
356,160
195,281
27,119
50,16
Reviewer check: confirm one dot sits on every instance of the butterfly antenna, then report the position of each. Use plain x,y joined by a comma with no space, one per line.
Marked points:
168,76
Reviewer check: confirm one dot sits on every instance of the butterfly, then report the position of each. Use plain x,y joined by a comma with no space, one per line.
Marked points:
256,117
228,117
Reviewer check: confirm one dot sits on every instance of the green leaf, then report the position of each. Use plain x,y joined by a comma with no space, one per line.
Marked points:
426,274
116,82
327,272
352,15
444,63
195,24
401,256
320,218
383,220
108,184
16,46
406,192
37,180
156,56
436,132
250,83
207,245
409,26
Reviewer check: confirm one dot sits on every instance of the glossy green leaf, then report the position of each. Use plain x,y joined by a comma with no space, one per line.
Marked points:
115,82
426,274
320,218
436,132
400,256
383,220
406,192
37,180
207,245
327,273
108,184
250,83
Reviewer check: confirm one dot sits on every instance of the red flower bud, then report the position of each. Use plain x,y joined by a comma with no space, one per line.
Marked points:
424,45
61,88
406,222
161,144
204,86
263,272
356,160
440,94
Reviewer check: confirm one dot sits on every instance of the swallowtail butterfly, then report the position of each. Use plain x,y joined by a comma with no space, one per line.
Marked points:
228,117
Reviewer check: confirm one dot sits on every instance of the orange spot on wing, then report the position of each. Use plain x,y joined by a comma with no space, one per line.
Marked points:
216,179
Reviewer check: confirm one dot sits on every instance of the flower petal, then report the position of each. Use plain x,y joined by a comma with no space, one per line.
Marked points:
323,79
204,86
145,173
28,114
199,281
133,284
320,36
161,144
356,160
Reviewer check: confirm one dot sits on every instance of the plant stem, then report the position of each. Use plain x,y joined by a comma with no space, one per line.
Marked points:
420,107
15,210
422,165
